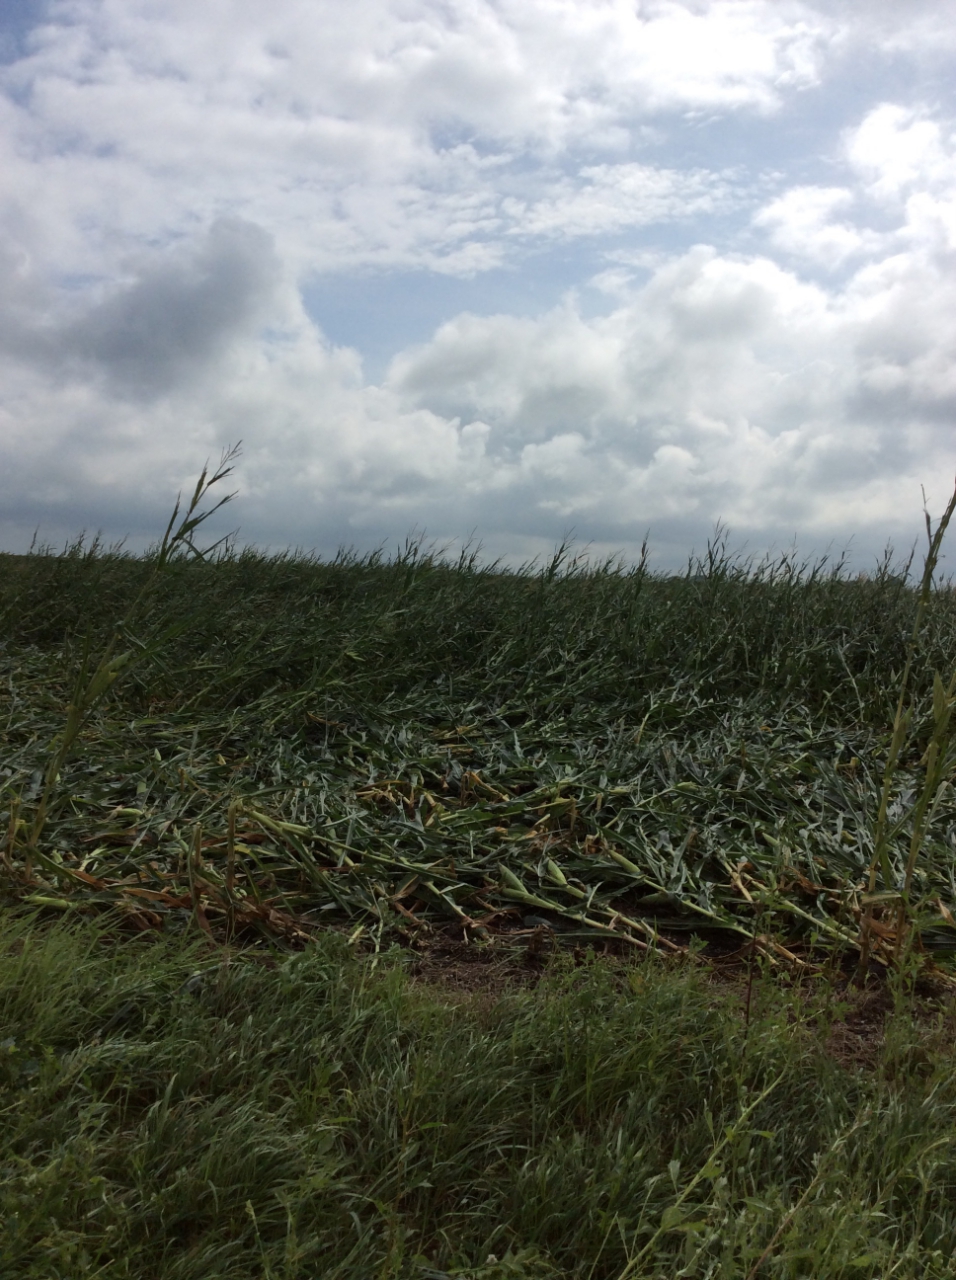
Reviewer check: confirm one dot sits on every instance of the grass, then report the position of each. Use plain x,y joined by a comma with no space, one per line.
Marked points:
352,912
170,1110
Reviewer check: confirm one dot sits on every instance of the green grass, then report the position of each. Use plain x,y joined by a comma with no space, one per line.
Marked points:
173,1111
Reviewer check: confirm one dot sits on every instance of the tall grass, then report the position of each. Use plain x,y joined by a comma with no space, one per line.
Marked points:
408,745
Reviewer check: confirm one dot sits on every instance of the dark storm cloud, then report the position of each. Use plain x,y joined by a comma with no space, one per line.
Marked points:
166,327
159,329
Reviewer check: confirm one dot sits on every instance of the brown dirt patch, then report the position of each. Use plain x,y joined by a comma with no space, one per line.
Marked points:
460,967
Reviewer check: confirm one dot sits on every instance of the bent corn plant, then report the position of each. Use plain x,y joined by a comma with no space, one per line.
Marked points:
569,754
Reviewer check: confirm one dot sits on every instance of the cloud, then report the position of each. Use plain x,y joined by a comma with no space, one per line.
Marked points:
773,239
900,195
607,198
725,387
924,30
397,138
801,223
898,149
160,330
170,324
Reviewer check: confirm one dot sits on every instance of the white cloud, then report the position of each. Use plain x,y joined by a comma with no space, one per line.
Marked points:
724,387
373,132
896,149
608,197
801,222
901,195
924,30
171,175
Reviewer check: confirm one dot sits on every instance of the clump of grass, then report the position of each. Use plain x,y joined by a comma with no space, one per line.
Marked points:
172,1111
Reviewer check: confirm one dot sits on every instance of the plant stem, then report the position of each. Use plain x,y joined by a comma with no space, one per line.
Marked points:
901,725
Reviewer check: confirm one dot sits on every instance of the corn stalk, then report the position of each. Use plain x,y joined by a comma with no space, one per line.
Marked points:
123,651
936,762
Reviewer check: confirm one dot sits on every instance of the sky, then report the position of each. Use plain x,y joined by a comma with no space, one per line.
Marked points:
505,271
